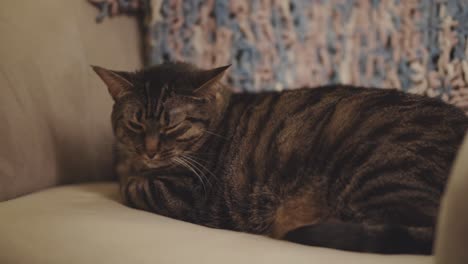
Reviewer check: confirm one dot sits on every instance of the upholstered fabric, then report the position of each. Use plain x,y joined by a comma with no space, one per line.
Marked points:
54,111
86,224
452,234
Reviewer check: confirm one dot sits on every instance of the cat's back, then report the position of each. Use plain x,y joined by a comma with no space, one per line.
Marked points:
340,108
382,113
366,101
327,120
334,140
344,104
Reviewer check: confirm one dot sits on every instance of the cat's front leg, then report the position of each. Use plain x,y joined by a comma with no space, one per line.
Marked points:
135,192
169,195
134,186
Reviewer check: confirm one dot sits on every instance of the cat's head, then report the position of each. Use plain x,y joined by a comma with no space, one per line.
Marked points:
165,111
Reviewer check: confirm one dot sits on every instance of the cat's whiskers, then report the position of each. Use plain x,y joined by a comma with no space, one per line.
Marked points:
203,163
209,154
214,134
201,166
165,155
188,166
195,166
192,155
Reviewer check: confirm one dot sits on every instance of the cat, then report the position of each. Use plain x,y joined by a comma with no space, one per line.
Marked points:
337,166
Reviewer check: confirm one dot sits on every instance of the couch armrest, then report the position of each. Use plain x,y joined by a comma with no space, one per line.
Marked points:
452,232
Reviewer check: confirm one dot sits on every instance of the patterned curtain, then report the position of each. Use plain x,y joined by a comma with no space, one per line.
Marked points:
418,46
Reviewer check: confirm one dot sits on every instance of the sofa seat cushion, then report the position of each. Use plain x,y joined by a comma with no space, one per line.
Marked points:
86,223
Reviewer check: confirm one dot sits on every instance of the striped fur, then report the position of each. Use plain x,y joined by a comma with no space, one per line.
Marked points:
336,166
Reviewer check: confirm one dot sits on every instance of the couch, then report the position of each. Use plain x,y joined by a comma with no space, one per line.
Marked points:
59,199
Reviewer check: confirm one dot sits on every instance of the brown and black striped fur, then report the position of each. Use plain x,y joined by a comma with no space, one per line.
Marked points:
336,166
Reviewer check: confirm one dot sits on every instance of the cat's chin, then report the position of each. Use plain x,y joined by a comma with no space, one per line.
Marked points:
157,164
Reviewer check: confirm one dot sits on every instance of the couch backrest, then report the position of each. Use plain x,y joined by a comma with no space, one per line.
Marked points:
54,111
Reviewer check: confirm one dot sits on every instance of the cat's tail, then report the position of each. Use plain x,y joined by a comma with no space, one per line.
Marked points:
382,239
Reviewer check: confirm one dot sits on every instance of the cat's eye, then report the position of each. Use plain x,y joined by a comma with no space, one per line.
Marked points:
136,127
138,115
171,119
135,124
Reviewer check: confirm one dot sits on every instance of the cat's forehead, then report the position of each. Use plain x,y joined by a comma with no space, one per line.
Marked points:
168,73
175,77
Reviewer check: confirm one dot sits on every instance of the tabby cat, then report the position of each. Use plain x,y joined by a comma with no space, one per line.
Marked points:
336,166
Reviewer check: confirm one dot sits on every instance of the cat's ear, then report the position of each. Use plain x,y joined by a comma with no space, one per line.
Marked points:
208,78
118,83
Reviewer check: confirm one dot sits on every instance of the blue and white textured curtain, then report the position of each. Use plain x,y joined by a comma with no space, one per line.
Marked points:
418,46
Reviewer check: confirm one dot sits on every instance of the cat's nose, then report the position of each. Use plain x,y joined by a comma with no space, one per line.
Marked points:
151,154
151,146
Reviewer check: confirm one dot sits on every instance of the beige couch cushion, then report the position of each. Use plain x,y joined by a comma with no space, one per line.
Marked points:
54,111
87,224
